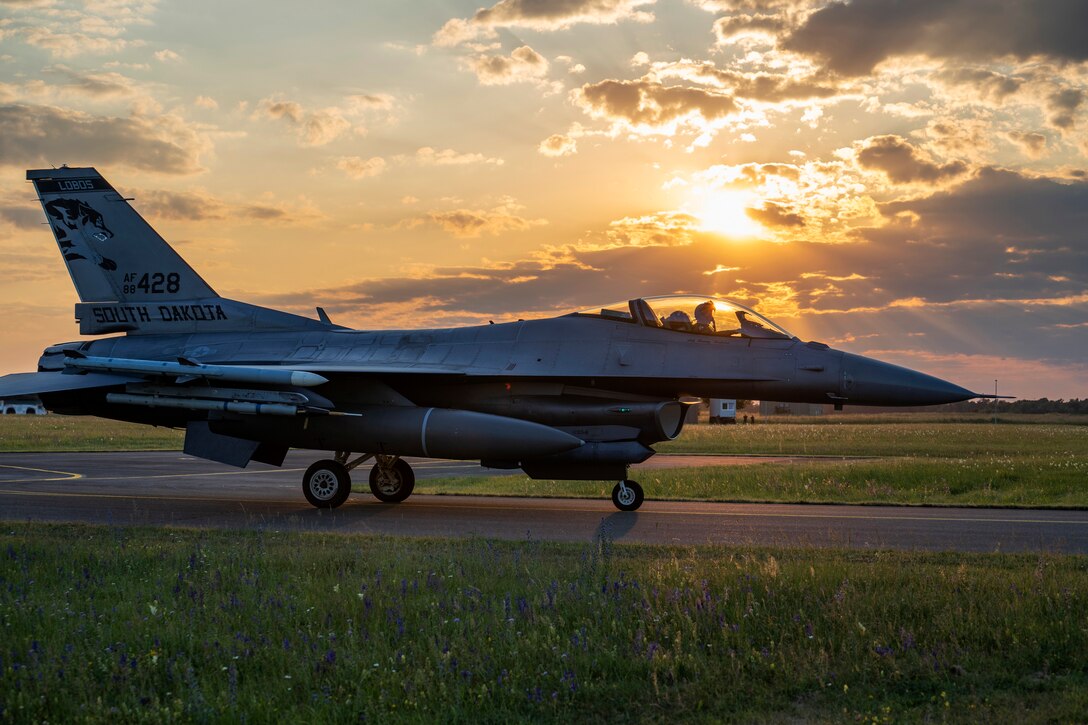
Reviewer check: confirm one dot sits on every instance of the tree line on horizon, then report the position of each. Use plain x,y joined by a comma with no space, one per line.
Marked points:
1042,405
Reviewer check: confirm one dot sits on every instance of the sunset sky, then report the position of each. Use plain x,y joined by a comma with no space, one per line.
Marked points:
900,179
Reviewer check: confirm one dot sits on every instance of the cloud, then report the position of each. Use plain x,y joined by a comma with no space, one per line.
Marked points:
206,102
735,28
43,265
556,14
558,144
22,217
540,15
523,65
1006,206
1063,105
428,156
92,85
652,106
313,127
357,167
572,67
758,6
966,137
902,162
1031,143
287,110
200,206
988,84
167,56
472,223
854,38
360,102
68,45
61,83
776,215
40,135
192,206
777,87
69,29
321,126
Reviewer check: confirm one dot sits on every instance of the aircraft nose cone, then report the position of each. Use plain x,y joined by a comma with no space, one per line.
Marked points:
872,382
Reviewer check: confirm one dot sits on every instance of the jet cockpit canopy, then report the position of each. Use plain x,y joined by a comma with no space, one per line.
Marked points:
697,314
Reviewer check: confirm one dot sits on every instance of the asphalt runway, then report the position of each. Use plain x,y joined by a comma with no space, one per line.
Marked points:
167,488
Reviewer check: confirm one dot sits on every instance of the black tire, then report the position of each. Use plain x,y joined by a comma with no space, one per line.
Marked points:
326,484
630,499
394,484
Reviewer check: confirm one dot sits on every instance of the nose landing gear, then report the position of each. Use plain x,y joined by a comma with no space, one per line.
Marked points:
627,495
327,483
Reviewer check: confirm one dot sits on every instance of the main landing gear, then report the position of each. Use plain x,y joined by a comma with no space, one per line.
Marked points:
327,483
627,495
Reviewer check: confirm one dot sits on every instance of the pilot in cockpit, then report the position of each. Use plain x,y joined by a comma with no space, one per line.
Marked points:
678,320
704,318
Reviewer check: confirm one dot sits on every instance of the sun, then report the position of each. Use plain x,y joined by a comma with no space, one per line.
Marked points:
725,212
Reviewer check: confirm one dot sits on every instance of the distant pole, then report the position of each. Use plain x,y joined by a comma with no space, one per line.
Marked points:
995,401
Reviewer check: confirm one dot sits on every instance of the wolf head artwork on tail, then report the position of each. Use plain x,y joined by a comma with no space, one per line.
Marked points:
72,221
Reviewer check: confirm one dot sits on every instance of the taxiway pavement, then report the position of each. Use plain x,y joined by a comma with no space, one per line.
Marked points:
167,488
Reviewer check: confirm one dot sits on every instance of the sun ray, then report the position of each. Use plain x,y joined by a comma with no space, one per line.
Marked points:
725,212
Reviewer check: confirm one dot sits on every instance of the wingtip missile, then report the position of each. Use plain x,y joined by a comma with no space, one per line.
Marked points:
192,370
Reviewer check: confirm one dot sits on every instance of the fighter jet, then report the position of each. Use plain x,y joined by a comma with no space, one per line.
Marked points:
581,396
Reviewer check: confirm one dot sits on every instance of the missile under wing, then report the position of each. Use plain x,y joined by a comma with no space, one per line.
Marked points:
579,396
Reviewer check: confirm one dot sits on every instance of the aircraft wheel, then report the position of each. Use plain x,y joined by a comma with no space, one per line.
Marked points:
627,495
392,484
326,484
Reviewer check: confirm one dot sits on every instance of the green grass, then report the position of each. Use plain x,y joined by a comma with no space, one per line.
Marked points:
929,418
52,433
102,624
948,440
975,481
951,464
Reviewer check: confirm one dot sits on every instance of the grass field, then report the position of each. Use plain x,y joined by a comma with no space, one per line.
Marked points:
103,624
919,463
82,433
916,460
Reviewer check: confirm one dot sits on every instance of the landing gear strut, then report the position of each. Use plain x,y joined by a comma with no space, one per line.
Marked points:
327,483
627,495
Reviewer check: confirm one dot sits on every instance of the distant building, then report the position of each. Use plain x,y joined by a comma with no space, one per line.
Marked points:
774,407
723,411
22,406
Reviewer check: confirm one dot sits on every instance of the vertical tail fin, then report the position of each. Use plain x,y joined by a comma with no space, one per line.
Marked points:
128,278
112,254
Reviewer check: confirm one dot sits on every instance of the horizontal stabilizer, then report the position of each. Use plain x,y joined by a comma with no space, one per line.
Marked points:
21,384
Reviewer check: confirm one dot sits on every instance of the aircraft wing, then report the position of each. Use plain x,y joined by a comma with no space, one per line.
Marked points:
387,368
411,368
22,384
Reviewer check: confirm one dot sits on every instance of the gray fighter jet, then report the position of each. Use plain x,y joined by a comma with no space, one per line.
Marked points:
580,396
